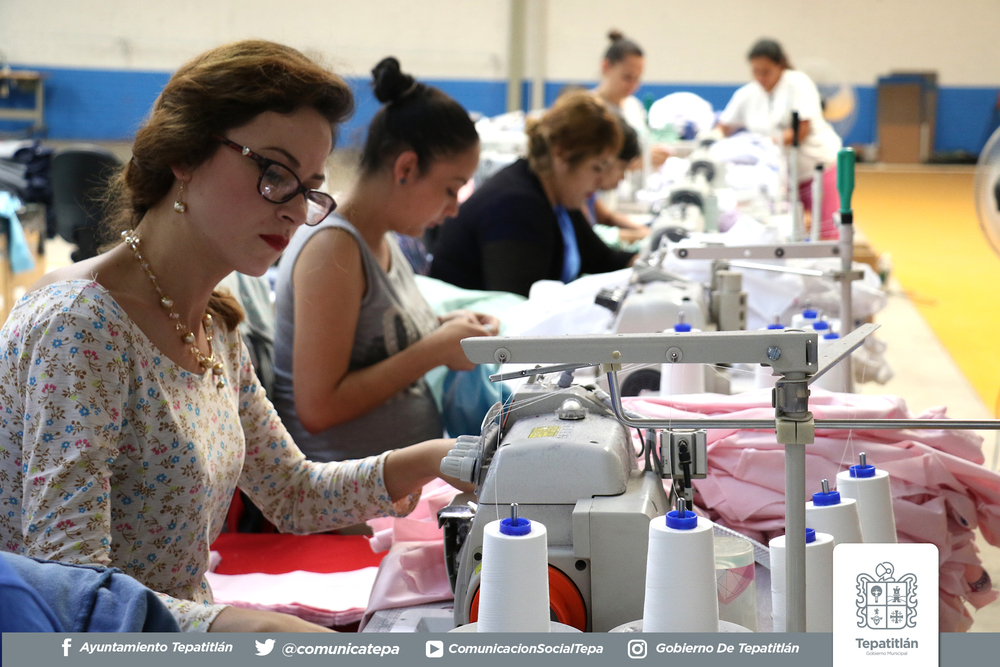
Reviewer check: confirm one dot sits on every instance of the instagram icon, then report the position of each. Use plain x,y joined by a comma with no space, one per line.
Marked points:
637,649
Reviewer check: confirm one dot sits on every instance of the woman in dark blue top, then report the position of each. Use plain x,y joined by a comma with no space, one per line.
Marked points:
524,224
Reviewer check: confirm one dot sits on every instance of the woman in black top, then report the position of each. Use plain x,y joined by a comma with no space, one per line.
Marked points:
525,224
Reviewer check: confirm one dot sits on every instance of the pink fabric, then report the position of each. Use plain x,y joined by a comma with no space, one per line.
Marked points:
941,491
831,202
420,525
413,572
303,594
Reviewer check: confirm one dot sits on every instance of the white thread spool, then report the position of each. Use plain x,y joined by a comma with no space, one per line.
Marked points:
834,379
682,378
819,582
838,517
514,583
870,487
681,594
763,376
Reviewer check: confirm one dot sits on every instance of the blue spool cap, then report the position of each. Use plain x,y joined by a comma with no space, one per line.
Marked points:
682,327
863,471
810,314
775,326
810,535
821,499
821,325
688,522
831,336
523,527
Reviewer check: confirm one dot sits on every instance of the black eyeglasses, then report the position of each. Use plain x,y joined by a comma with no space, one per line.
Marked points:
279,184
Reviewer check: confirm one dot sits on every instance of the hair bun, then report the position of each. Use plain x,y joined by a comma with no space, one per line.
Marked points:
389,82
615,35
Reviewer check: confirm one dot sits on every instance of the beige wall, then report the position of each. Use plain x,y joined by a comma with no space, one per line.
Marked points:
707,41
685,41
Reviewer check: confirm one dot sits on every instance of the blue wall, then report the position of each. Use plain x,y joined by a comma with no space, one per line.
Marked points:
109,105
94,104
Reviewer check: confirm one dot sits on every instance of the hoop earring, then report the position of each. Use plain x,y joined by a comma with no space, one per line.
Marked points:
179,205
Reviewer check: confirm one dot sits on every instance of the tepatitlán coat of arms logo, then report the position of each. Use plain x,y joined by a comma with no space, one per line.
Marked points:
885,601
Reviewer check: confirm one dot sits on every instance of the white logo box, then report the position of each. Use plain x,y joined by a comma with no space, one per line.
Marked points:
885,605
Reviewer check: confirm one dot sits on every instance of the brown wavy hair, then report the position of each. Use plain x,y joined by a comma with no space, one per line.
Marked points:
578,125
221,89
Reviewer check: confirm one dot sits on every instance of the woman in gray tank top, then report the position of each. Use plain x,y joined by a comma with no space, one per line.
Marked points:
353,336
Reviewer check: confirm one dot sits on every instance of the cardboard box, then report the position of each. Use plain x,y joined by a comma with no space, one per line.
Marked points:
907,110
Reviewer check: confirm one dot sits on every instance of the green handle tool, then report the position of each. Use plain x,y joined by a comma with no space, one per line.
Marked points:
845,184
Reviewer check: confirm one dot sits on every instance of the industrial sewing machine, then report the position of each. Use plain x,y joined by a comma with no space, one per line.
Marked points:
567,482
691,205
567,462
656,300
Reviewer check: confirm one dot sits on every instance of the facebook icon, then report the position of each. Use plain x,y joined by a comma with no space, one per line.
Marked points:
66,644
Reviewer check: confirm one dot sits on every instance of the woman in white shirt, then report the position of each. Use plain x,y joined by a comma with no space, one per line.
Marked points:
621,75
765,105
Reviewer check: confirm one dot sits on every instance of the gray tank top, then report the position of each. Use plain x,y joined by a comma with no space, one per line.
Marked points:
393,316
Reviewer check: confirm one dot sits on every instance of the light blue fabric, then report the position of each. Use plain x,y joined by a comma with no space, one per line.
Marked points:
462,411
21,259
444,297
466,398
571,250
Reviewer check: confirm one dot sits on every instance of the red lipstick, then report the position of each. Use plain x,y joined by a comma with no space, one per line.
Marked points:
276,241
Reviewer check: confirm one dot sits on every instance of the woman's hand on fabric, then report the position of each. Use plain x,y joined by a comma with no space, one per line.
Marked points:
447,337
658,154
630,235
457,314
236,619
489,322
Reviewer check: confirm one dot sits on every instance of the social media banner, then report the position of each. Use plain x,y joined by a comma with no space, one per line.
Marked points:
461,650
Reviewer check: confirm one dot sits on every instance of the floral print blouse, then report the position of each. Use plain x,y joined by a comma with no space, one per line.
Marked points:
111,454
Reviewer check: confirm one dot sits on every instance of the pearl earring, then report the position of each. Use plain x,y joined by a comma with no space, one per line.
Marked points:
179,205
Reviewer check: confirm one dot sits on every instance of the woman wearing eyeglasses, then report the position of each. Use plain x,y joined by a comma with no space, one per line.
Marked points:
354,335
130,410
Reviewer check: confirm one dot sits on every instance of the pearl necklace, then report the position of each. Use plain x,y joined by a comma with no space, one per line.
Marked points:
187,337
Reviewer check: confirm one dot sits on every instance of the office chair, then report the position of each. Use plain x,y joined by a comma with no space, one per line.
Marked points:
79,177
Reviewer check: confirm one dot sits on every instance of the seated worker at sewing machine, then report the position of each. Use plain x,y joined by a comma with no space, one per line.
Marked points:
523,224
621,76
596,212
765,105
133,404
354,335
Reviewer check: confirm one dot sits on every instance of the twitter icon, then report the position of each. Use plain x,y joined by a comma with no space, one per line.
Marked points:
263,648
